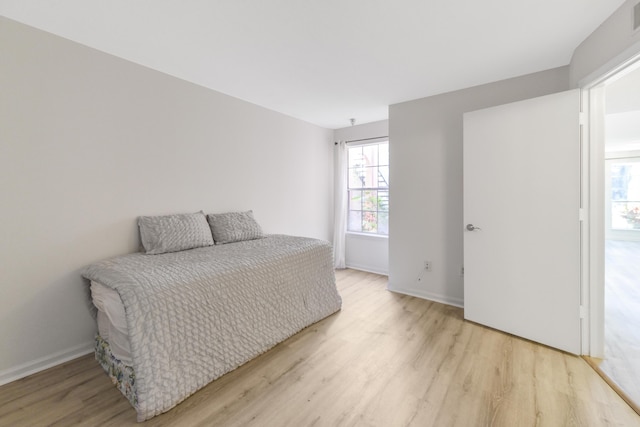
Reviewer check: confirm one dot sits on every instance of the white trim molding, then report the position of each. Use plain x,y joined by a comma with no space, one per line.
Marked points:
442,299
367,269
593,87
46,362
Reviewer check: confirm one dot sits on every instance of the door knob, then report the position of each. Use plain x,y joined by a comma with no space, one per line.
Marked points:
472,227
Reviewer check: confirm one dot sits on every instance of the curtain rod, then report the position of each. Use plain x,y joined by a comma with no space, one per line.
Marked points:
364,139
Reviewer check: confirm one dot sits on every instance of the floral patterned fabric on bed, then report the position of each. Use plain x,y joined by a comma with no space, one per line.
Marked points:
121,375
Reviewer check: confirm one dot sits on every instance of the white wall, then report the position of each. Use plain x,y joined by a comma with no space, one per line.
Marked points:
426,176
88,142
609,45
368,253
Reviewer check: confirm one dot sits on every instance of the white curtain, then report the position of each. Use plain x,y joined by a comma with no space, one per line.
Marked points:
340,204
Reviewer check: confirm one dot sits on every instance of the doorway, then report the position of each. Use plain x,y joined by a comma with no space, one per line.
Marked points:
619,99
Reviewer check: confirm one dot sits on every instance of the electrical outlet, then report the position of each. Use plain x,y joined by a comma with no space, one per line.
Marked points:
427,265
462,271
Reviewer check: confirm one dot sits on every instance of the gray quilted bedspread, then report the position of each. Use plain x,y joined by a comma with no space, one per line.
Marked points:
198,314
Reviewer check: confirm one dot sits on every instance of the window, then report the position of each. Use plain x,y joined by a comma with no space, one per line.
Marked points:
625,194
368,188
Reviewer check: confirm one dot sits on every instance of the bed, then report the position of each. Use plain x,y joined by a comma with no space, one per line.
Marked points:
171,322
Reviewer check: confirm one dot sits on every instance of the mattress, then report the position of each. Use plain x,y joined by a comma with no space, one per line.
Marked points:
112,321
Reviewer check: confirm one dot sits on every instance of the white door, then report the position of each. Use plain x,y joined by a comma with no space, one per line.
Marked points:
522,193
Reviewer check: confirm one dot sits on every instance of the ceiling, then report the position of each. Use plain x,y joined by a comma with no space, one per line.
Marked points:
326,61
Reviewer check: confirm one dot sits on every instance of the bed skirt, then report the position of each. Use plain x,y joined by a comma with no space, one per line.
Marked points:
122,376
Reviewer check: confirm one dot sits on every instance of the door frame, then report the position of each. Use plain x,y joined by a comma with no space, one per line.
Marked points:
593,202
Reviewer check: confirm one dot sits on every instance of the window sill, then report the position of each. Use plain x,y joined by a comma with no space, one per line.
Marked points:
366,235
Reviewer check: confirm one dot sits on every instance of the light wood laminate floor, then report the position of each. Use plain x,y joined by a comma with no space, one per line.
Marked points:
621,364
384,360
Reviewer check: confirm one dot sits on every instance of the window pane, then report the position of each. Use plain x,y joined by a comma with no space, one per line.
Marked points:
625,196
368,188
383,223
383,176
355,157
355,200
370,200
370,175
383,154
355,221
619,180
370,222
370,155
356,178
383,201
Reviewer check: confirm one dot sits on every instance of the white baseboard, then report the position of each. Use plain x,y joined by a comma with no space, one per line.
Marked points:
443,299
34,366
367,268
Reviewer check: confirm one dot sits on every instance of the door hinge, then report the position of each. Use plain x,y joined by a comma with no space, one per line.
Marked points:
582,118
582,214
583,312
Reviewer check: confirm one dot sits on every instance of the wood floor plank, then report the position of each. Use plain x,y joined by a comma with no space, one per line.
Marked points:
621,365
385,360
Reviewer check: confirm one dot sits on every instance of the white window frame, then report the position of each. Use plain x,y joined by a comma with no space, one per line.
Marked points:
376,188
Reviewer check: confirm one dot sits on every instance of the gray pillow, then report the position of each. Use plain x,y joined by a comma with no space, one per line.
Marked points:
234,227
173,233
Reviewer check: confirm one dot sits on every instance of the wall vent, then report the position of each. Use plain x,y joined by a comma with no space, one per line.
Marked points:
636,16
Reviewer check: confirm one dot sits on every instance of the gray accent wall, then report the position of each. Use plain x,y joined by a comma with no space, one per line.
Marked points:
426,175
612,43
426,152
88,142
